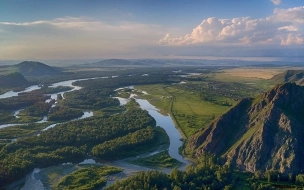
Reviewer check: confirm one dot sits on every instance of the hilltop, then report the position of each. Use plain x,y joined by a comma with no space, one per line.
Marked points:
259,134
13,80
296,76
31,68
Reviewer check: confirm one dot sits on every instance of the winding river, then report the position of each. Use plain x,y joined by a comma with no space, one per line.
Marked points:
166,122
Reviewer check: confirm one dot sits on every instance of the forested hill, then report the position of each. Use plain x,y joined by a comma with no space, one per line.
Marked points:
259,134
31,68
12,80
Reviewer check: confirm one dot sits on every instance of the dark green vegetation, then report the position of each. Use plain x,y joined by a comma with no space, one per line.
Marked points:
54,145
31,68
60,113
93,98
13,80
91,178
23,100
208,175
18,131
6,116
38,109
199,177
33,104
259,134
161,159
53,90
121,146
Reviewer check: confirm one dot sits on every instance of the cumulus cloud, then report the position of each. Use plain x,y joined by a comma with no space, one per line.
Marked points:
294,15
284,27
276,2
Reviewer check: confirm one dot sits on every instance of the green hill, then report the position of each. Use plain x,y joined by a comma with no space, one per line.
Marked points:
296,76
13,80
259,134
31,68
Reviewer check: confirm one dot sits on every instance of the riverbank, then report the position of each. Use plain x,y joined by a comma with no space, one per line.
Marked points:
163,121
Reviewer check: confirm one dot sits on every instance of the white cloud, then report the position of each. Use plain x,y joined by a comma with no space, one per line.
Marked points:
276,2
74,37
294,15
284,27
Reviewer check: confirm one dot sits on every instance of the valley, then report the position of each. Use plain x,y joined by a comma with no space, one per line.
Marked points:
46,125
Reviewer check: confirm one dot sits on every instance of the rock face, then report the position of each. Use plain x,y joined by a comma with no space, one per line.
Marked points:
13,80
31,68
259,134
296,76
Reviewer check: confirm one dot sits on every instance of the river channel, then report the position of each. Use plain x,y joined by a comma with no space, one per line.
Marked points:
164,121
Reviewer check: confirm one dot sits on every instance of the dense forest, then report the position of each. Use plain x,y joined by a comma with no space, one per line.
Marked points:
193,178
122,146
87,178
90,98
23,100
61,113
209,176
54,145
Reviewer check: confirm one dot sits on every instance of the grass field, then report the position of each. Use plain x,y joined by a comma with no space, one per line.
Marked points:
191,112
260,73
263,84
188,110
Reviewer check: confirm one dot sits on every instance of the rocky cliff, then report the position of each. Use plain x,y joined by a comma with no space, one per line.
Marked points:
259,134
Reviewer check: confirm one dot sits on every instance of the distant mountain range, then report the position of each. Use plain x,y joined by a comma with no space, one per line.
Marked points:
124,62
259,134
112,62
13,80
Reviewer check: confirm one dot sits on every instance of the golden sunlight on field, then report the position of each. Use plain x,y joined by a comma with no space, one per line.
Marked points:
253,72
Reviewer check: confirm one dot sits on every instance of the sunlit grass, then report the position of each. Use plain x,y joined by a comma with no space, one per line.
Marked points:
189,111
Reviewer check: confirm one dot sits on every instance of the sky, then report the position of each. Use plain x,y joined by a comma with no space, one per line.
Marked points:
93,29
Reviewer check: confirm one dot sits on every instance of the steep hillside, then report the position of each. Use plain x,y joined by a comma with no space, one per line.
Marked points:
12,80
259,134
31,68
296,76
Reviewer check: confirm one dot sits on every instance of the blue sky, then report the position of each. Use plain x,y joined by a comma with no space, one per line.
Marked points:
90,29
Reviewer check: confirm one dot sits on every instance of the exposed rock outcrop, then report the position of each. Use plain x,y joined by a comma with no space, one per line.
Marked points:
296,76
259,134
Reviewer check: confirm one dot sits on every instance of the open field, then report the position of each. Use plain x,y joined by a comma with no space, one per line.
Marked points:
260,73
187,109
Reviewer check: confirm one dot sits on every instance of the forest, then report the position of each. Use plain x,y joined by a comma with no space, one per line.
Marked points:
53,146
117,132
